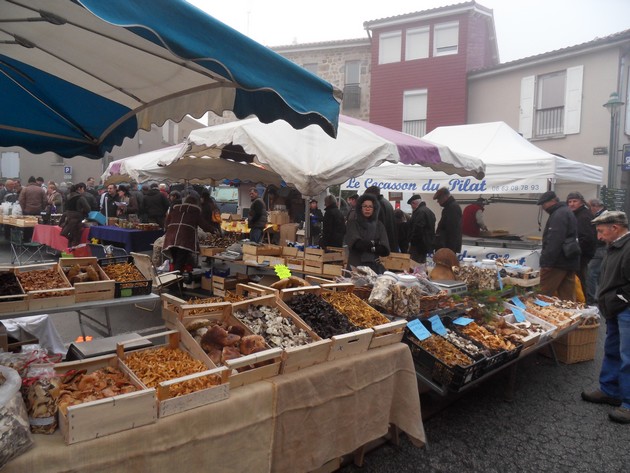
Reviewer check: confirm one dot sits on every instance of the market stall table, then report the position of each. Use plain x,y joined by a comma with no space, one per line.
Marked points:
291,423
50,235
133,240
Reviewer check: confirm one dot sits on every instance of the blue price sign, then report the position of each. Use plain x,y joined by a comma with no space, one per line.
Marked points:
541,303
419,330
437,325
518,315
462,321
517,302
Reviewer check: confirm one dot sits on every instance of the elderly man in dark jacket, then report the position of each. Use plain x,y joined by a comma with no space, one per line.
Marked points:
421,229
614,305
333,225
557,271
587,236
448,233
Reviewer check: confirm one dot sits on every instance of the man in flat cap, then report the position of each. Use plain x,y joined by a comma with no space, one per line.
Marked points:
472,218
557,269
614,304
586,234
448,233
421,229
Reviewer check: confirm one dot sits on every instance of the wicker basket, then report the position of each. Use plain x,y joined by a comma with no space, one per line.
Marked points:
577,345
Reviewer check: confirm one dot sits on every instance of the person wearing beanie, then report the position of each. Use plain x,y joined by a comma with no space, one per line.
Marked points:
613,301
421,229
557,270
366,236
587,236
448,233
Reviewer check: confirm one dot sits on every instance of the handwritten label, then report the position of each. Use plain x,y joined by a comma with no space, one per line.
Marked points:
437,325
500,280
419,330
463,321
517,302
541,303
518,314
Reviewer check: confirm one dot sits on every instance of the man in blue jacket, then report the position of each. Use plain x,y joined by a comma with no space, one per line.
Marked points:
557,271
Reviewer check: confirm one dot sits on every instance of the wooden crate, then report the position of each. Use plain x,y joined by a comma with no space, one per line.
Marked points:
312,266
272,260
387,334
92,290
262,250
13,303
349,344
397,261
269,360
332,269
296,357
210,250
95,419
174,308
220,285
48,298
316,280
252,290
169,405
290,251
319,255
294,263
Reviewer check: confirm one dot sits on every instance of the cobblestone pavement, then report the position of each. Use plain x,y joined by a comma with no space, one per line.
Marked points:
545,428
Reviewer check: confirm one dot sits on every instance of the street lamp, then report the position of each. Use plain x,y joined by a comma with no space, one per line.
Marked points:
614,103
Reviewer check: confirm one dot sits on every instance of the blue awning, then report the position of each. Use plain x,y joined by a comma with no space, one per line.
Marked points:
77,77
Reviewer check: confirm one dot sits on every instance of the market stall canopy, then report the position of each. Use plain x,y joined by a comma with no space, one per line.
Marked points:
77,77
144,167
308,159
513,165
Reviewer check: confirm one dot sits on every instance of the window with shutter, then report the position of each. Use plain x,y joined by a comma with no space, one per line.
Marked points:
389,45
352,88
417,43
415,112
445,38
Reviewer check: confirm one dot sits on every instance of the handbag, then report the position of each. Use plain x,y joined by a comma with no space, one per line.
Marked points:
571,247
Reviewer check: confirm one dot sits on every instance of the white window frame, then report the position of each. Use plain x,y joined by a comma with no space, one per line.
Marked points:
417,43
572,103
352,68
443,42
415,104
389,47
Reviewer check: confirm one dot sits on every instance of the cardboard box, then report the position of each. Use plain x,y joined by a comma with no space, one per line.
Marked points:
278,217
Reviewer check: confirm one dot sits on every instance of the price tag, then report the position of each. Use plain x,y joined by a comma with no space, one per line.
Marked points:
541,303
419,330
282,271
463,321
437,325
500,280
518,315
517,302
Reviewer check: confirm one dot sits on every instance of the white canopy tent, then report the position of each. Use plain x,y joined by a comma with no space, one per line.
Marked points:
513,165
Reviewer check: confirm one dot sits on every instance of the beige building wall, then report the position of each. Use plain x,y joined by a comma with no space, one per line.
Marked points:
331,58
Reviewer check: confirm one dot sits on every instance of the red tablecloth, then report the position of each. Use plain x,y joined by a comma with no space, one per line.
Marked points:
50,235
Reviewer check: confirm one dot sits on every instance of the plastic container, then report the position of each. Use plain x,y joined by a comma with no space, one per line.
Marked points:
468,261
488,264
408,280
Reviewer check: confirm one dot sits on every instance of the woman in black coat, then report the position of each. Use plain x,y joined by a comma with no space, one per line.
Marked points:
366,235
333,225
76,210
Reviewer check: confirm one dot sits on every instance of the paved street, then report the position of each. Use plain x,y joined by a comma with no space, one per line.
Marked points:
545,428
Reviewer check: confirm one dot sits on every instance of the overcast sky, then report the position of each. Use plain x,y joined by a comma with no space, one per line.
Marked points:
524,27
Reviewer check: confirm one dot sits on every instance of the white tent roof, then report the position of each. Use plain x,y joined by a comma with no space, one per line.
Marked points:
513,165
